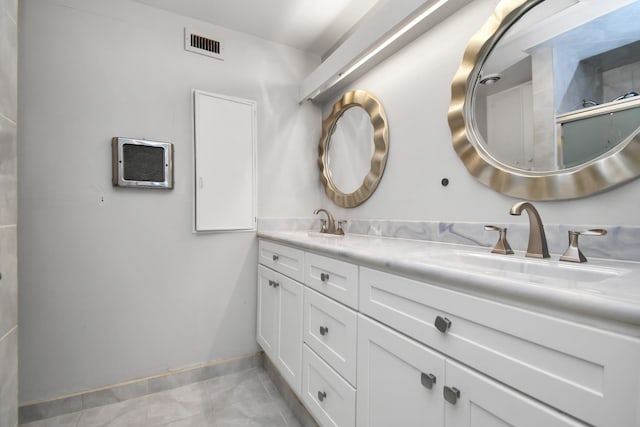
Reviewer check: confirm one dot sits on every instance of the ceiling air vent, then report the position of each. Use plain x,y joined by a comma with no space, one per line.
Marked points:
203,45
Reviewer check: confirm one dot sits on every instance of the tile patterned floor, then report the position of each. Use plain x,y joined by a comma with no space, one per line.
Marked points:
247,398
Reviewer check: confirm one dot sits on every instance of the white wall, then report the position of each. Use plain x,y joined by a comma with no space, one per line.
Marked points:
114,285
414,87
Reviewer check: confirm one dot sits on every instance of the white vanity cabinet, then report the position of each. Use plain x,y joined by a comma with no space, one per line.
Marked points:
408,352
279,316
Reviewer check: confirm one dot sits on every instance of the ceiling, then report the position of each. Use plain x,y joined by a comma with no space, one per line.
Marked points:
310,25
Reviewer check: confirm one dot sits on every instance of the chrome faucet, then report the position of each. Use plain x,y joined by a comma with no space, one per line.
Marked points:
331,226
537,247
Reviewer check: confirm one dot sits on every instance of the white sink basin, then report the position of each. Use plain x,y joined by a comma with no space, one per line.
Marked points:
535,270
318,234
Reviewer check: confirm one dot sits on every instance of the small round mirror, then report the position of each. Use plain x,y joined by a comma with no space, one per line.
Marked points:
353,148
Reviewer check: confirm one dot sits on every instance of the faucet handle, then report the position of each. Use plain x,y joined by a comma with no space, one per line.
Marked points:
339,228
573,252
502,246
323,225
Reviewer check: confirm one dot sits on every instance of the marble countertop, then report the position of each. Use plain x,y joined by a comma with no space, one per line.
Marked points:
606,289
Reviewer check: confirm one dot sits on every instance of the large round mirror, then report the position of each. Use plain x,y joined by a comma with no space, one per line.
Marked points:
353,148
545,105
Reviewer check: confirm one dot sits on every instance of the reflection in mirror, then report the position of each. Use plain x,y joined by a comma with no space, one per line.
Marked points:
350,149
560,88
545,104
353,148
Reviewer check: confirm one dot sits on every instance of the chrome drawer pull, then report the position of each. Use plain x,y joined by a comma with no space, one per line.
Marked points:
451,394
324,330
275,257
324,277
428,380
322,396
442,324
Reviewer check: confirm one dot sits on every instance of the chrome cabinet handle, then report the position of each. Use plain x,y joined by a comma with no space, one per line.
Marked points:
451,394
324,330
324,277
275,257
275,284
270,282
428,380
322,396
442,324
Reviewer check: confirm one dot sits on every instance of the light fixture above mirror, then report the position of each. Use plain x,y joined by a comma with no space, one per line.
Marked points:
533,113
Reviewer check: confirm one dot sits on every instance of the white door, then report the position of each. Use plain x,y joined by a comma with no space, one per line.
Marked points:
225,162
473,399
267,328
399,381
289,358
509,127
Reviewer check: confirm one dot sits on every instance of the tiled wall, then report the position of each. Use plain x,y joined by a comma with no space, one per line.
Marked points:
8,214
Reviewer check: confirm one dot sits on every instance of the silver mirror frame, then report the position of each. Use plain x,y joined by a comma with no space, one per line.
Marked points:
612,169
373,107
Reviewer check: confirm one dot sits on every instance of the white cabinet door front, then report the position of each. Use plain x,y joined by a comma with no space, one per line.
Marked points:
289,358
399,381
279,329
473,399
267,328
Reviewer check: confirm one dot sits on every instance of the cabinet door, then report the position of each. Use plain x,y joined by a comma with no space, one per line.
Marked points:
289,358
267,328
473,399
399,381
225,136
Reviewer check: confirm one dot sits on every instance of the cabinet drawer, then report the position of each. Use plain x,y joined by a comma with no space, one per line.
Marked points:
330,330
286,260
329,398
336,279
586,372
484,402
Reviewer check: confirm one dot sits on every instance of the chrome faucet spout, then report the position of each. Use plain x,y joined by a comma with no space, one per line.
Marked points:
331,226
537,246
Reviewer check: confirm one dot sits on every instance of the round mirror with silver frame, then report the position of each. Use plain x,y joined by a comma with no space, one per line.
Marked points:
554,178
353,148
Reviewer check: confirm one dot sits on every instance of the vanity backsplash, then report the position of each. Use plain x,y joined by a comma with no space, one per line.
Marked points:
621,242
